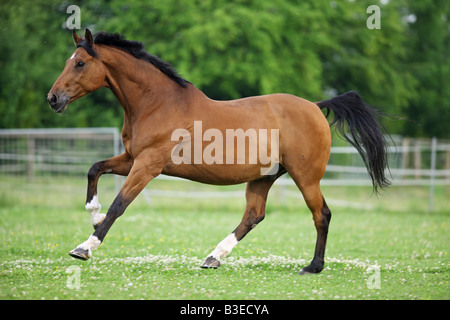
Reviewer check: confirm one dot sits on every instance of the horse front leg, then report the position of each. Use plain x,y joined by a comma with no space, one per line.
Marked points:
140,175
120,165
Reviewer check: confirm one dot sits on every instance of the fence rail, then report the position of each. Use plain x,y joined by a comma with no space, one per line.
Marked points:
35,155
28,153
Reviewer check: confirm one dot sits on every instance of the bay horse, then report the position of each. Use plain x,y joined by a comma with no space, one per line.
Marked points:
157,102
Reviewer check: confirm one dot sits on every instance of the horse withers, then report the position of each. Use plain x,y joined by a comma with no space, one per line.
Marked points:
161,135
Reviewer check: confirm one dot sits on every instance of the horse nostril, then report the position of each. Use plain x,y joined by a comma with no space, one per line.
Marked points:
53,99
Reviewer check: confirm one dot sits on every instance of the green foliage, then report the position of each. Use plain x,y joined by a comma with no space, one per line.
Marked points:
429,62
232,49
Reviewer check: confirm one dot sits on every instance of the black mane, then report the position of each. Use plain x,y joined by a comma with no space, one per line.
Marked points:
137,50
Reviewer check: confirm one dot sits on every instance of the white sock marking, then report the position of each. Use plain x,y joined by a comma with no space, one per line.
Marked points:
90,244
94,207
224,247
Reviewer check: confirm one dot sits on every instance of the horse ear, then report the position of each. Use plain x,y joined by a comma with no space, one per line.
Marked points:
75,37
88,37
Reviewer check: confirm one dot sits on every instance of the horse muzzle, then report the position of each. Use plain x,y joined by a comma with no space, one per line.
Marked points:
58,102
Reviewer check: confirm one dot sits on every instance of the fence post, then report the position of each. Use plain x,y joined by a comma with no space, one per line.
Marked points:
417,158
447,167
30,163
432,171
405,154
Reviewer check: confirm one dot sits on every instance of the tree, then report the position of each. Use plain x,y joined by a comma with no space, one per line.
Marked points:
314,49
429,62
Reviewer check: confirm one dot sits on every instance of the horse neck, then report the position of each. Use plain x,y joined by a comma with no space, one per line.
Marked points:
138,85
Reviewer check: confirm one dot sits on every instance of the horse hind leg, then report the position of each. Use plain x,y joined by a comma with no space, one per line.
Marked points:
310,188
256,196
321,216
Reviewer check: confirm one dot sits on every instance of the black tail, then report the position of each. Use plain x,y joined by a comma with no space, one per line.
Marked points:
365,133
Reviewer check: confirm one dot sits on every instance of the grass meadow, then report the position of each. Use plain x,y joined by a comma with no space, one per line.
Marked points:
388,247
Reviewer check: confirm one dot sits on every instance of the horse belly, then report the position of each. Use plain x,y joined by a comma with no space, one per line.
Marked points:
216,174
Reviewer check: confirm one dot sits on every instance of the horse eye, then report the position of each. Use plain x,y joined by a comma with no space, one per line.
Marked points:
80,64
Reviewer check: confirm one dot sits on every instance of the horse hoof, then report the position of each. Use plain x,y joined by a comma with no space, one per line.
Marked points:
310,270
80,253
303,272
210,262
